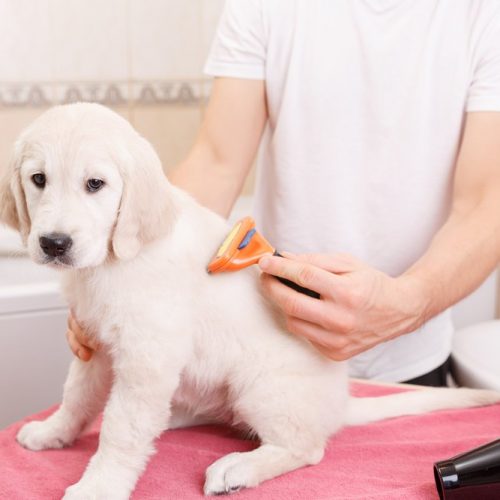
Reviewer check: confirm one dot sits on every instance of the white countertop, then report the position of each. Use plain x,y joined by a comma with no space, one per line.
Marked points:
24,286
22,271
10,242
475,355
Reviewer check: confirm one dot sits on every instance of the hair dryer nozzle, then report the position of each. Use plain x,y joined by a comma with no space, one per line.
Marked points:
473,474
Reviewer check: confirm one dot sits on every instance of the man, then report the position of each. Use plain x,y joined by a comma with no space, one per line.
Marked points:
380,127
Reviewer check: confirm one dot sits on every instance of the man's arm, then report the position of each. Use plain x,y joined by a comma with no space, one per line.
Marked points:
361,306
218,163
467,248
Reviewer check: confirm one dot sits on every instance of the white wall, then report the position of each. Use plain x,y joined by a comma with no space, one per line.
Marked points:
35,360
479,306
59,41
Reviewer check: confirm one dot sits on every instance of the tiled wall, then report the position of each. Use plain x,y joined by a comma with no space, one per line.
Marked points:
143,58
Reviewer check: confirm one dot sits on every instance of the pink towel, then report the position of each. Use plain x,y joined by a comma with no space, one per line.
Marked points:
386,460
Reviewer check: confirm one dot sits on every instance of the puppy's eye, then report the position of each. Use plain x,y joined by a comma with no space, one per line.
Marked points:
39,180
94,185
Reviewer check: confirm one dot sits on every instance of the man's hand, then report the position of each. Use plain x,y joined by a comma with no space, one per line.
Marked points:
359,308
82,345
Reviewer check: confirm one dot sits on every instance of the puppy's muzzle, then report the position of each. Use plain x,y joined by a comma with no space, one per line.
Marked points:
55,244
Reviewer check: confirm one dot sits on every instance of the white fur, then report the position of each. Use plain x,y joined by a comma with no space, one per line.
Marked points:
179,346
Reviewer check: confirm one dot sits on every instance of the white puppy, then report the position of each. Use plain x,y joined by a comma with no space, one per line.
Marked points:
179,346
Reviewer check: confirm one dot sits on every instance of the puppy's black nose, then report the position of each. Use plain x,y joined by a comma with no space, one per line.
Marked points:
55,244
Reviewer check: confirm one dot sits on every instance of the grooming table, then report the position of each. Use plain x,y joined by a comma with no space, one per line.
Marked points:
386,460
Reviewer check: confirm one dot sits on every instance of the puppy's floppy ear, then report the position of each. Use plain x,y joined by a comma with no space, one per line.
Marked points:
8,211
13,210
147,210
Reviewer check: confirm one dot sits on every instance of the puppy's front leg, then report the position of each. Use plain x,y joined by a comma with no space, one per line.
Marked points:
85,392
137,412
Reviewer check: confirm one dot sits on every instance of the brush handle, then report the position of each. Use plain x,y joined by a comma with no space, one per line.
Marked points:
295,286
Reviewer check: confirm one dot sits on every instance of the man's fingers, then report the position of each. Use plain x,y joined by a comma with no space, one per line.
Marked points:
74,326
80,336
330,344
302,273
291,302
72,342
77,348
85,354
338,263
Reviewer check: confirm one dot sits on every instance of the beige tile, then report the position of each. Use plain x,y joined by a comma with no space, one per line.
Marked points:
124,111
24,41
165,39
89,39
171,129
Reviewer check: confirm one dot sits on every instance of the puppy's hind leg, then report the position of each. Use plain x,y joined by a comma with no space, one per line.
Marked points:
293,422
85,392
245,470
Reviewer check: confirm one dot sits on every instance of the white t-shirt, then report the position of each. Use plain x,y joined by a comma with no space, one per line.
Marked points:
366,107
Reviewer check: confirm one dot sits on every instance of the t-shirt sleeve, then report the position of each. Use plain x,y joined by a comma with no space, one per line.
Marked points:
239,47
484,92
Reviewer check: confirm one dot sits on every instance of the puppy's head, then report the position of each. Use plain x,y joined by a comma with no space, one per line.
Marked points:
82,186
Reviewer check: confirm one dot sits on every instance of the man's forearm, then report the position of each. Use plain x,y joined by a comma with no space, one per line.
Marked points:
216,167
211,184
462,254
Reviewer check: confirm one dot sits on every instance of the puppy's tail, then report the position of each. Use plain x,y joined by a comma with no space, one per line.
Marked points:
415,402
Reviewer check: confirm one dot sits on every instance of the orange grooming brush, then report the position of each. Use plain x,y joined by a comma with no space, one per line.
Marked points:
243,247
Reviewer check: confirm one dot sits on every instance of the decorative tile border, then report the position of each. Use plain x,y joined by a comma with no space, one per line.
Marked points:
18,95
171,92
112,94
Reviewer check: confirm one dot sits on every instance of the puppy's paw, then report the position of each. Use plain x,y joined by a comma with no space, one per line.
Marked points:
75,492
229,474
94,489
42,436
81,491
